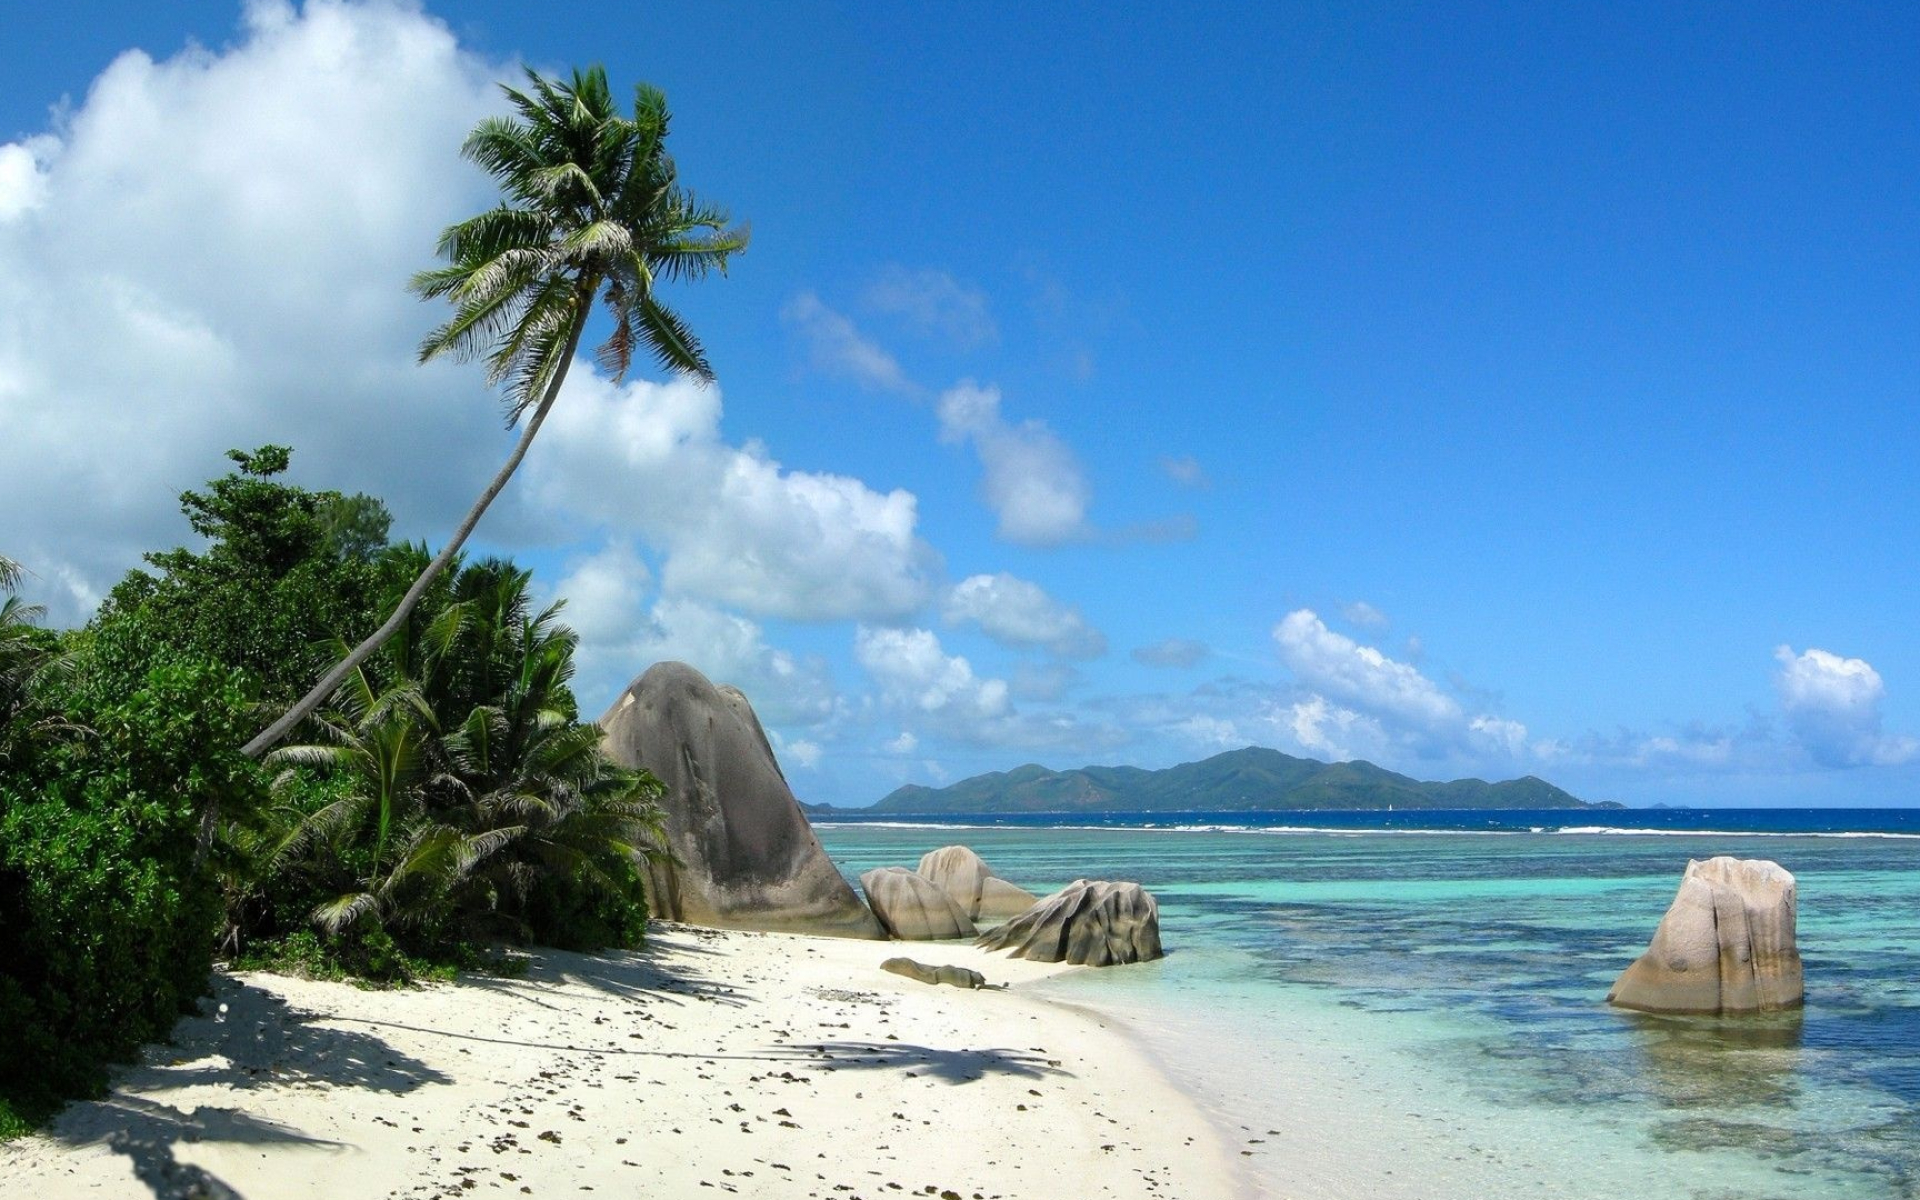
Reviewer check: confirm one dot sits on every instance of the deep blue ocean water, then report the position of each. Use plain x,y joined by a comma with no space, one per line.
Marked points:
1423,991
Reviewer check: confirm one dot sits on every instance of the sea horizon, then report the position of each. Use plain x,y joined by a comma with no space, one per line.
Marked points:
1660,820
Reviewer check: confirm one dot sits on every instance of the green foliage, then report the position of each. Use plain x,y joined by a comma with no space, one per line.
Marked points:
353,528
367,958
468,800
16,1120
119,765
107,918
27,656
285,573
450,797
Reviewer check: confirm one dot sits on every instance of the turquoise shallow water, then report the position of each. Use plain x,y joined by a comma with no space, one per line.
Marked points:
1437,997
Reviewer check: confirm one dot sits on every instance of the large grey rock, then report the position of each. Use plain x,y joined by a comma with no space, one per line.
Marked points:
1726,944
963,977
974,887
912,908
747,859
1096,923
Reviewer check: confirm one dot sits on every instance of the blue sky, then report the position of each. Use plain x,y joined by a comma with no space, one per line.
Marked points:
1479,391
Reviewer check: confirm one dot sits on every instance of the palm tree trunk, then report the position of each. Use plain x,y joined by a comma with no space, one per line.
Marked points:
272,735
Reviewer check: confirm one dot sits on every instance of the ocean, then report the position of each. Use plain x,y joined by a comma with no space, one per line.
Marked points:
1412,1003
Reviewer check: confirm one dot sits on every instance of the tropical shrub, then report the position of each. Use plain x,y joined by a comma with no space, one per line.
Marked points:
285,574
107,913
469,801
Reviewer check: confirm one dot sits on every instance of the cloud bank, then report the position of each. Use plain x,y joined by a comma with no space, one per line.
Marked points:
211,251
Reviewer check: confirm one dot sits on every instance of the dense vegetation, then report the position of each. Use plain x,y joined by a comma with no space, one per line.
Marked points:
447,798
1239,780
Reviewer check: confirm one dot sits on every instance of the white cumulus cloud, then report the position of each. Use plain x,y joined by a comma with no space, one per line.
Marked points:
211,251
1033,481
1327,730
1832,705
1016,612
624,630
735,527
915,673
1362,615
1358,697
1342,668
1185,470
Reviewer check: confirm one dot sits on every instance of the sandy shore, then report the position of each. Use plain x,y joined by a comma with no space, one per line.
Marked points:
708,1064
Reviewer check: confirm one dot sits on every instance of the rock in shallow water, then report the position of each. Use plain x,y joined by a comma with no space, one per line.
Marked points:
747,857
1726,944
957,976
1089,922
974,887
912,908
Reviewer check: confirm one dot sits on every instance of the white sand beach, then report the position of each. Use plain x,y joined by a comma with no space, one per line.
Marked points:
710,1063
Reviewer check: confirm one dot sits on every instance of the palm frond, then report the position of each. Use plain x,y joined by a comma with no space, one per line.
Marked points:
345,912
673,344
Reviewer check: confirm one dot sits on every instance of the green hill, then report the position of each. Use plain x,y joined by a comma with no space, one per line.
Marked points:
1249,779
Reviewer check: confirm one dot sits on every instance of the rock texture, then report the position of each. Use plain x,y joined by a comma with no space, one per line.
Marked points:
912,908
1725,946
957,976
1096,923
747,859
981,894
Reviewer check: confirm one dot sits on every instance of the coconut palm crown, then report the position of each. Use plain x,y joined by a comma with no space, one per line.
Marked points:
592,209
592,205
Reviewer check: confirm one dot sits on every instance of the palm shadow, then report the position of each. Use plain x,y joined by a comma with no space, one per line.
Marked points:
146,1132
952,1066
652,974
244,1038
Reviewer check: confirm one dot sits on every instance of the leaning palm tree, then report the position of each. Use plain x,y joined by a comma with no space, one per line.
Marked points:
593,210
10,573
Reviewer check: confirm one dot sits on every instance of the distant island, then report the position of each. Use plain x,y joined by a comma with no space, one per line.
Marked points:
1244,780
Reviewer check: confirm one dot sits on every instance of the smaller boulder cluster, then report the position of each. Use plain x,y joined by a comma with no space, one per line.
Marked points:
1089,922
952,889
983,895
913,908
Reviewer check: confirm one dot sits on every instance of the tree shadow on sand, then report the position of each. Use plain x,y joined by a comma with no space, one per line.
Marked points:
953,1066
147,1132
653,974
244,1038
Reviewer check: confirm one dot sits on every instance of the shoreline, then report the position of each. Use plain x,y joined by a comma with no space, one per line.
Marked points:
727,1062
